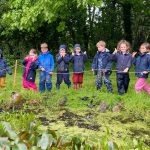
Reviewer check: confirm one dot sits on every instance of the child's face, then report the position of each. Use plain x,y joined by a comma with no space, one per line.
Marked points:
143,49
100,48
62,51
77,50
123,48
44,50
31,54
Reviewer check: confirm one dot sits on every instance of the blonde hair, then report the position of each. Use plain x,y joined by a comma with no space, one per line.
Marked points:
44,45
103,43
146,45
124,42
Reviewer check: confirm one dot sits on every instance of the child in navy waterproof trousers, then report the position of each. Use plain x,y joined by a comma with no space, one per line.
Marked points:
102,65
123,63
46,66
62,60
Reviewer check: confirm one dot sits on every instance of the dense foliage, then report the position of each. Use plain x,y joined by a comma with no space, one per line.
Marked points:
27,23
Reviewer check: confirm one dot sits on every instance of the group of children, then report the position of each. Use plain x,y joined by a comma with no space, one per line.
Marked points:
101,66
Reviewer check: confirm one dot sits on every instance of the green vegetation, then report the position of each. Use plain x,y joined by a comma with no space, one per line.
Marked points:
26,23
128,128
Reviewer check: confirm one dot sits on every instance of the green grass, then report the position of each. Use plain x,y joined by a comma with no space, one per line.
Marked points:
132,122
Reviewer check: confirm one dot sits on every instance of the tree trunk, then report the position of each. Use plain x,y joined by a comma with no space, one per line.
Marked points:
127,21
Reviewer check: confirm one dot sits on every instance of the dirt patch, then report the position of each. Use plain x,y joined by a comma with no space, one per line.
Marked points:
139,132
68,115
147,142
72,119
127,119
45,121
89,126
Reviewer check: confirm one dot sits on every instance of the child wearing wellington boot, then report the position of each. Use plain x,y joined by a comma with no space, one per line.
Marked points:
78,58
3,69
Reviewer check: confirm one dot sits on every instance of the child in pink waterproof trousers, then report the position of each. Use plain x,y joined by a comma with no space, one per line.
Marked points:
29,73
142,68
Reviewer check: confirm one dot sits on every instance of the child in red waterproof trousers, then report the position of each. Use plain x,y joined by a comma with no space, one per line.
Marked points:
29,73
78,58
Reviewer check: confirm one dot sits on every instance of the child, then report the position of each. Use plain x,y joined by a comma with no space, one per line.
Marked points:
3,69
102,65
78,58
46,65
142,68
29,73
62,59
123,63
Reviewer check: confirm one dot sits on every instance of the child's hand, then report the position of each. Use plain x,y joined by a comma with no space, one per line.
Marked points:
72,53
84,53
115,51
26,58
126,70
145,72
64,54
133,54
34,58
50,73
104,70
42,69
61,54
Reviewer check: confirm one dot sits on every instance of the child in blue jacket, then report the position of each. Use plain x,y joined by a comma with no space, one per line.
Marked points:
102,65
142,68
3,69
62,59
46,66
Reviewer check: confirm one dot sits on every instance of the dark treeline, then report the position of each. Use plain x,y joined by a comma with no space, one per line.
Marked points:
26,23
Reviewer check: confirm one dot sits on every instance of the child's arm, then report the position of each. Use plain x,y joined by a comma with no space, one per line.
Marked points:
66,58
109,64
133,58
114,55
24,62
34,65
94,63
58,59
7,68
72,57
85,58
51,65
128,65
40,64
148,66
